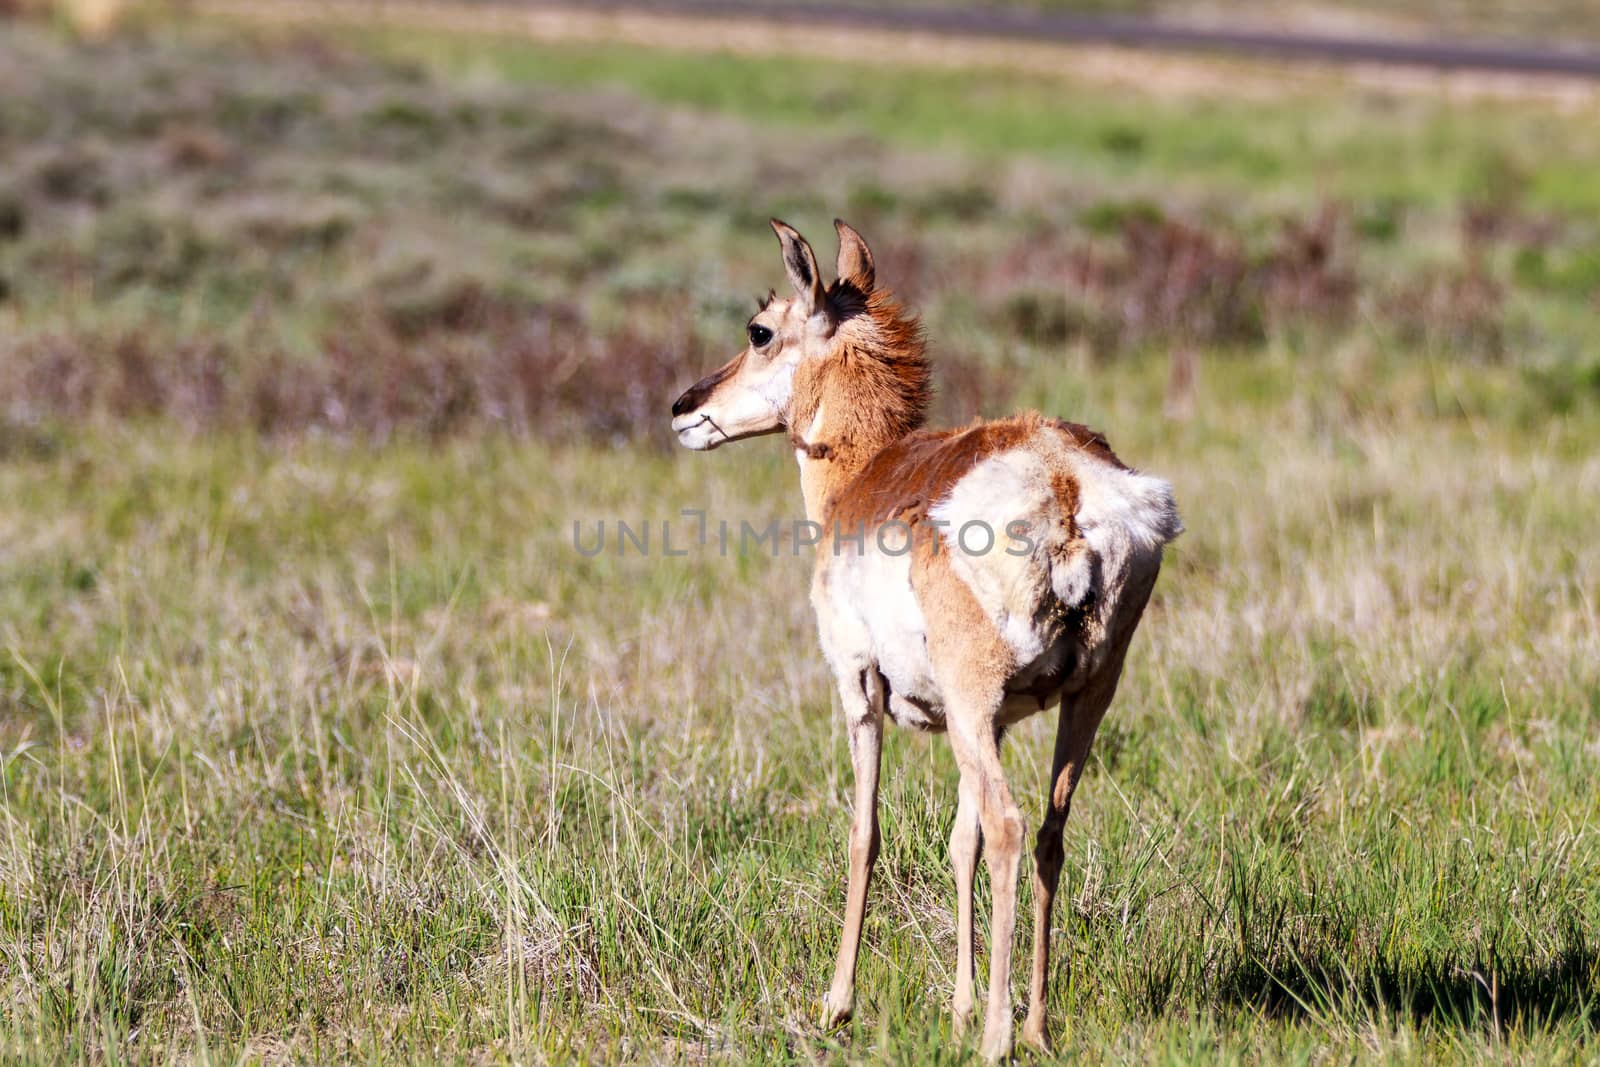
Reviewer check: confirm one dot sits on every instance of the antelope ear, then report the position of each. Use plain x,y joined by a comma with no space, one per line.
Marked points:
801,265
855,258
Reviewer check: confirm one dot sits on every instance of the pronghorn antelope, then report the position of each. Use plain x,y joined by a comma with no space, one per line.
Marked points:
965,580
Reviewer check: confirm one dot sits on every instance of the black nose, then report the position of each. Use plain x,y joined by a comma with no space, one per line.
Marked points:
700,391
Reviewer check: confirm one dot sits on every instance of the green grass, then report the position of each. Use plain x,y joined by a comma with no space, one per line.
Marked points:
1291,145
320,741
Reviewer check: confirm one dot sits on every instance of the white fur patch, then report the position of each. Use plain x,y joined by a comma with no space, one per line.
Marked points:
867,613
1125,506
1126,518
810,436
1010,576
777,389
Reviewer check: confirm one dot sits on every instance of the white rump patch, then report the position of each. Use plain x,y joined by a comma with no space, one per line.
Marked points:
1126,517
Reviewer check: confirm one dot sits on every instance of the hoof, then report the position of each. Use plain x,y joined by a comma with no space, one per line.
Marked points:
836,1011
996,1050
996,1043
1035,1037
961,1019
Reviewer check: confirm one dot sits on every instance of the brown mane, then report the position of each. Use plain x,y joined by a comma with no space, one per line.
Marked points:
878,368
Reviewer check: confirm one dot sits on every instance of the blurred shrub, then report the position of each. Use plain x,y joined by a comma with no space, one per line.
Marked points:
1163,278
541,374
1458,311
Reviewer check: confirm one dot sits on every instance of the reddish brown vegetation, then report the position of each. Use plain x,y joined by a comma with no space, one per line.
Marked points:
539,373
1169,279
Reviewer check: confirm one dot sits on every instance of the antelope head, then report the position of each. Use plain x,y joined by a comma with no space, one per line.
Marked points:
753,393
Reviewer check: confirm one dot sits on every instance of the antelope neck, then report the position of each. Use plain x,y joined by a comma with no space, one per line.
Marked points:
830,457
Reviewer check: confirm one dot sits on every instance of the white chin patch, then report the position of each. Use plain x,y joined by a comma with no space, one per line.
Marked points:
696,431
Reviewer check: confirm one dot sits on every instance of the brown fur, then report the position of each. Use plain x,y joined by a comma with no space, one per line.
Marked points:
913,473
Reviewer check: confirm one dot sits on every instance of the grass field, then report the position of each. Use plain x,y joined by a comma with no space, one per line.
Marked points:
321,741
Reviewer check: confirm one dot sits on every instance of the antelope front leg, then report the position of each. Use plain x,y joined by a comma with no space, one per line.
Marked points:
863,707
965,843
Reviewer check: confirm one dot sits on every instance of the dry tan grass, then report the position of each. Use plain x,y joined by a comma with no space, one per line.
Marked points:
562,785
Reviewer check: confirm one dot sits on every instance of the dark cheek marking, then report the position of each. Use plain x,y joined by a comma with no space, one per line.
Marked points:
812,451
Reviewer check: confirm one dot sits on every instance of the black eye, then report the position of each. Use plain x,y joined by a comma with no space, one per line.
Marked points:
759,335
